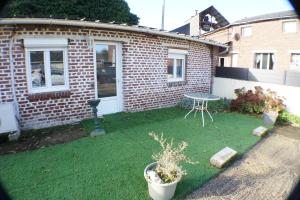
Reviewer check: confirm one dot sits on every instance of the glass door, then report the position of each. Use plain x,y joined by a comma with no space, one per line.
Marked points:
108,77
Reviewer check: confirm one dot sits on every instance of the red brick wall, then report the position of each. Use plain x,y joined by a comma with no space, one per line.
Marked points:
5,78
145,84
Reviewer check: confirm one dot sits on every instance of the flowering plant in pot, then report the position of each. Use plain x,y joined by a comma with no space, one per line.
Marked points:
163,175
273,105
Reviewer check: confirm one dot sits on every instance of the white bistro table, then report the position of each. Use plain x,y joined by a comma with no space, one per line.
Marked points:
201,98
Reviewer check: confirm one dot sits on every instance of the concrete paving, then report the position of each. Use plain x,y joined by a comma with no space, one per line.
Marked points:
270,170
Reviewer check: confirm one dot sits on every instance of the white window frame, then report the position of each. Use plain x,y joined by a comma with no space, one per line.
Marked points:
243,32
48,84
177,54
268,60
287,21
292,66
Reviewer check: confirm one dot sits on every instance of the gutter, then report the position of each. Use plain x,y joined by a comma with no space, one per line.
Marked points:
225,51
44,21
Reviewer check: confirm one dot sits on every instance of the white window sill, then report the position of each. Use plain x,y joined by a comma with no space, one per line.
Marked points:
175,80
48,90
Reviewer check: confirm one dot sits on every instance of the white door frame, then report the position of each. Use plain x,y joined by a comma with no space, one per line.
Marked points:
119,72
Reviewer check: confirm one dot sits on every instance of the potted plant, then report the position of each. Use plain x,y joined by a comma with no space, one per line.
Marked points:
163,175
273,105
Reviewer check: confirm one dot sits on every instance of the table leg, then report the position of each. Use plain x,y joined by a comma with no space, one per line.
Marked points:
208,112
194,105
196,108
202,110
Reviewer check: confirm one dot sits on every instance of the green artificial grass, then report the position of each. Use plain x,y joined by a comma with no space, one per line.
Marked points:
111,166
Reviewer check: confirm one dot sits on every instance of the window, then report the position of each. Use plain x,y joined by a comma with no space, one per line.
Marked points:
295,60
264,61
46,67
289,27
234,60
246,31
176,65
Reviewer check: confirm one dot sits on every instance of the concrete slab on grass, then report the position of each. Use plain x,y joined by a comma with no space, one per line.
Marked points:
260,131
223,157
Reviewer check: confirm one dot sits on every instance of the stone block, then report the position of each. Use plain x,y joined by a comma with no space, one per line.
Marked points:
223,157
260,131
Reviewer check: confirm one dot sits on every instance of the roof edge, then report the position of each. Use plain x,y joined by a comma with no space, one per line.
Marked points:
266,19
67,22
250,22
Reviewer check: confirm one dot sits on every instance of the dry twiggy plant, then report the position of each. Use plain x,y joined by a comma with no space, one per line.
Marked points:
169,159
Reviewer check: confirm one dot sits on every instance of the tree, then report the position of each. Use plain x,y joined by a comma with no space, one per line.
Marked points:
103,10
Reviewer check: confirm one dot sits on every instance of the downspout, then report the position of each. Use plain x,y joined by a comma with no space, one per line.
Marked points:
12,72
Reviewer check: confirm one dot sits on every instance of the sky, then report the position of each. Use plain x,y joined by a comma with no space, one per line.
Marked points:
178,11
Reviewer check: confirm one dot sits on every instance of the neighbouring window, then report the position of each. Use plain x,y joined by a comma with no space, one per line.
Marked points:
289,26
246,31
264,61
295,60
47,69
176,65
234,60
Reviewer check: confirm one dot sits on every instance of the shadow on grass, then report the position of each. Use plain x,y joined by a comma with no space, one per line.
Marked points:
126,120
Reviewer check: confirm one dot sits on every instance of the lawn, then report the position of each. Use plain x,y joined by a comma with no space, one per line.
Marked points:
111,166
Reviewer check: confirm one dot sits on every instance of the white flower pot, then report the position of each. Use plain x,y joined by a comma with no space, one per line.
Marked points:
159,191
270,117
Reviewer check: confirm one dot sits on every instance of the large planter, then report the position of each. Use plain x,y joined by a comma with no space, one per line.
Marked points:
159,191
270,117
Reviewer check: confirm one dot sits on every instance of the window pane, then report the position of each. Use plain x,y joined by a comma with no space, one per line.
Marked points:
106,70
257,61
289,27
246,31
57,67
179,63
295,59
271,61
264,61
170,68
37,68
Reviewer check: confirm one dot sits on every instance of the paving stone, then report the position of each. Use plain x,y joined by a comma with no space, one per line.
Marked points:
260,131
223,157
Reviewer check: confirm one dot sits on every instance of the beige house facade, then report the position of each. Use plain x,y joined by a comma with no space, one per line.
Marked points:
266,42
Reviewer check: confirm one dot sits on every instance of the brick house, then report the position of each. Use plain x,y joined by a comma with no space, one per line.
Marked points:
269,41
51,68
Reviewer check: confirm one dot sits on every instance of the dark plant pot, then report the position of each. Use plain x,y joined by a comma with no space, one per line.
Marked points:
270,117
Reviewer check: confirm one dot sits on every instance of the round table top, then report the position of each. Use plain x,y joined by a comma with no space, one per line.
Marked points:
202,96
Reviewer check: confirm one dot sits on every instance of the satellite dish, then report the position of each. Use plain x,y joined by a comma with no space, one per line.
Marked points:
237,36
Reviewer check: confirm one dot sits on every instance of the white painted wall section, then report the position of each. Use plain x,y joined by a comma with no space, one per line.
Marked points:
224,87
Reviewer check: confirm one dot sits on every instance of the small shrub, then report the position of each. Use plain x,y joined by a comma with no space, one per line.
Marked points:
213,106
248,101
273,102
257,101
286,117
168,160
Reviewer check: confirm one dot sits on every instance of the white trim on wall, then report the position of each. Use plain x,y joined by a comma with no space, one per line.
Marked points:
177,51
45,42
264,51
